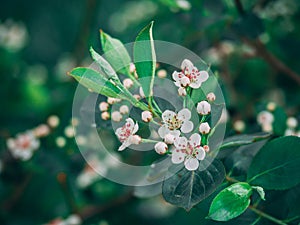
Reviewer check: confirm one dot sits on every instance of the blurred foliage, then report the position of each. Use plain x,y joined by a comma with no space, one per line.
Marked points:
251,45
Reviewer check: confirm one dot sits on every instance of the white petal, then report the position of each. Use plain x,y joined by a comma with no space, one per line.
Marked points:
119,131
187,64
175,76
177,156
191,164
163,131
195,140
184,114
168,114
203,76
124,145
135,128
200,153
175,133
196,84
130,122
177,83
180,142
187,127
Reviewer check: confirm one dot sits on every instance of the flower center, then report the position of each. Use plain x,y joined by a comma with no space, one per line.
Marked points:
174,123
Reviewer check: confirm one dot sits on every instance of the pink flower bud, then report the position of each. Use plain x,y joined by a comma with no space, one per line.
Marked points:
204,128
105,116
169,139
182,91
203,108
162,73
128,83
161,148
211,97
116,116
103,106
146,116
124,109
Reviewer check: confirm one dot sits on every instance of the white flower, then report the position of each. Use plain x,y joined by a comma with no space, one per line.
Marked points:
146,116
162,73
211,97
23,146
128,83
161,148
239,125
188,151
73,219
124,109
169,139
172,122
265,118
292,122
190,75
116,116
60,141
203,108
204,128
103,106
69,131
53,121
41,130
105,115
126,134
182,91
271,106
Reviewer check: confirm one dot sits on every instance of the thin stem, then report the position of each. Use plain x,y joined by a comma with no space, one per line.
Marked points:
266,216
231,179
256,221
291,219
156,106
148,141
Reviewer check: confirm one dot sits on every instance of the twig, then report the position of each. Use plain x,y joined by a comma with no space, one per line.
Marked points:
273,61
267,216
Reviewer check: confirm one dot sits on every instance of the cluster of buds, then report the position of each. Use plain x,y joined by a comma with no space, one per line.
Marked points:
117,115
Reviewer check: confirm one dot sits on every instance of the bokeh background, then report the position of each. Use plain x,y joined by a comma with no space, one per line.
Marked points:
252,46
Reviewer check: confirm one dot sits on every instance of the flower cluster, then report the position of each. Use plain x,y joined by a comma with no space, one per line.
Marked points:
173,126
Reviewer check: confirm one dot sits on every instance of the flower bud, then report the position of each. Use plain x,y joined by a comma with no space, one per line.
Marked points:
41,130
265,118
116,116
161,148
113,100
128,83
182,91
203,108
53,121
211,97
103,106
69,132
146,116
105,115
169,139
206,148
162,73
292,122
185,81
131,67
271,106
204,128
137,97
135,139
60,142
124,109
239,125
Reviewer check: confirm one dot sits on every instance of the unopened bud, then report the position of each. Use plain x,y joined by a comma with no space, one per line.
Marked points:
146,116
161,148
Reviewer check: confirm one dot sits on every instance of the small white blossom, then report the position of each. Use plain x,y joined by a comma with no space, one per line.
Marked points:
188,151
204,128
146,116
128,83
161,148
189,76
203,108
181,91
271,106
69,131
162,73
211,97
60,142
239,125
103,106
292,122
206,148
105,115
173,122
53,121
113,100
169,139
23,146
126,134
73,220
124,109
116,116
41,130
265,118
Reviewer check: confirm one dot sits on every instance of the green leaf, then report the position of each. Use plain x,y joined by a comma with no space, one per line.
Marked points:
260,192
243,139
115,53
187,188
95,81
104,65
231,202
145,58
277,165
